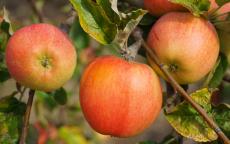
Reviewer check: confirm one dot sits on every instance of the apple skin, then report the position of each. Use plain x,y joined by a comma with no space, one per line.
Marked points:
161,7
119,98
188,45
40,57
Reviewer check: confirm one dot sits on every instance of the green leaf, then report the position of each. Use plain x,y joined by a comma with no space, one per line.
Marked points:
219,71
11,104
60,96
222,2
188,122
5,32
197,7
94,21
8,103
222,117
110,8
4,75
11,115
6,24
3,42
46,99
10,128
78,35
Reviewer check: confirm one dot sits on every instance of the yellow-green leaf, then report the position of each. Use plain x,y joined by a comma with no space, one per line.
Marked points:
222,117
197,7
188,122
71,135
94,21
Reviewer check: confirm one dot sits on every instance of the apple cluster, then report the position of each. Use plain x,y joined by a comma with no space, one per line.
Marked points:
118,97
122,98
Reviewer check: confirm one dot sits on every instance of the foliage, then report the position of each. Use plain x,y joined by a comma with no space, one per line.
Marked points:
222,116
96,21
197,7
5,32
11,114
216,75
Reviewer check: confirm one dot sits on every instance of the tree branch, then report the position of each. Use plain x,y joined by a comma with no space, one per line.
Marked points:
137,35
27,117
35,10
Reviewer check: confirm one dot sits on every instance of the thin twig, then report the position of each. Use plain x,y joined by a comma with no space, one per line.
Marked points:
35,10
27,117
180,90
22,93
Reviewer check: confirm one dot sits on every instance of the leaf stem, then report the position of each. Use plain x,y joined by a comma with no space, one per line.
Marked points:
180,90
27,117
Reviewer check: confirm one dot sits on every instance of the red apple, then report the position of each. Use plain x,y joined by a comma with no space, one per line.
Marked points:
161,7
188,45
40,57
119,98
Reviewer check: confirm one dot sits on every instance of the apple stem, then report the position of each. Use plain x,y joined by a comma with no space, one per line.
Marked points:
174,83
27,117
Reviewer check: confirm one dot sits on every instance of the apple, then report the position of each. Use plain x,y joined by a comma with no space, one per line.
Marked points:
119,98
188,45
40,57
161,7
